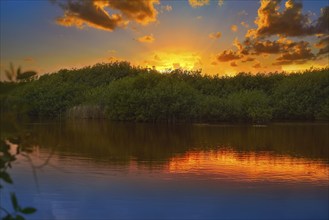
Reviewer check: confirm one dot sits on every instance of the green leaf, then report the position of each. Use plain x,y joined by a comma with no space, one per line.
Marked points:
28,210
14,201
5,176
19,217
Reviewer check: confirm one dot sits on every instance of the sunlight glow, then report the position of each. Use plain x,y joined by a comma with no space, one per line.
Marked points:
165,61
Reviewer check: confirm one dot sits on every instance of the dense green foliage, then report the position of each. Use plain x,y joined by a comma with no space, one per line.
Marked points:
124,92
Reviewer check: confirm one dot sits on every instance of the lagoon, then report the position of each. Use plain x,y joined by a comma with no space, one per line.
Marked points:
90,169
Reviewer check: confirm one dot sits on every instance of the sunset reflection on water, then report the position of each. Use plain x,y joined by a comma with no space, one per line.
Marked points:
231,165
102,170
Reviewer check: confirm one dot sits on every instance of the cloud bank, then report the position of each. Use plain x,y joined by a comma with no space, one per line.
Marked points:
106,14
274,29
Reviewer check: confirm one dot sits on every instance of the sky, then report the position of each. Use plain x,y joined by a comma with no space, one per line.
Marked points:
221,37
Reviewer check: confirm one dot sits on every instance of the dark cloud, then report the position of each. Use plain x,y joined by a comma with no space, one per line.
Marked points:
300,53
324,50
257,47
94,13
141,11
274,28
289,22
248,59
80,13
322,24
323,45
228,55
271,47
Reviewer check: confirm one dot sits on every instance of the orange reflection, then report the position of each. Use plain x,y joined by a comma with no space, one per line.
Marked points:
248,166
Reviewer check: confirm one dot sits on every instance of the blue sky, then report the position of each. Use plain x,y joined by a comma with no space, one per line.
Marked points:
163,34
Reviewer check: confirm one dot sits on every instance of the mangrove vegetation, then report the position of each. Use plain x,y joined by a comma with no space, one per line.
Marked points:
120,91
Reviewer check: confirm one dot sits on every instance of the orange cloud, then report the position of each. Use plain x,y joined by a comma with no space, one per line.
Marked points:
237,44
228,55
273,22
244,24
233,64
198,3
257,66
82,13
141,11
234,28
216,35
248,59
146,39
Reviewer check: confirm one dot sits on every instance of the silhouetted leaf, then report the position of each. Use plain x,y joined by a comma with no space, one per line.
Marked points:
26,75
28,210
6,177
19,217
14,201
19,71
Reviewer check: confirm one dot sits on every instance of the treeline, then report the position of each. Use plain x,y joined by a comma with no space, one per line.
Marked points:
120,91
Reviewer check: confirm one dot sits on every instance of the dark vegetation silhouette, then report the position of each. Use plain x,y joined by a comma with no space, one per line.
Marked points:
19,76
120,91
7,158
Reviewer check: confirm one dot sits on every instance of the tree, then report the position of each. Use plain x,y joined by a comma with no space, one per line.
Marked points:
17,75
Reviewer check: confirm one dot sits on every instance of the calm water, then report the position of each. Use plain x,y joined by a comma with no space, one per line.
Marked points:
105,170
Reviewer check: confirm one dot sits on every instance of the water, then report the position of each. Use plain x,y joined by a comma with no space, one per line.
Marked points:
106,170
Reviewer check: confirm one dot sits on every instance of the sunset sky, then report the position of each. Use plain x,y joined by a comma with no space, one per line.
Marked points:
219,37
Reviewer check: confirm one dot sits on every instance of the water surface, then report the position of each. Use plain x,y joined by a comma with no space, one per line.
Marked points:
106,170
